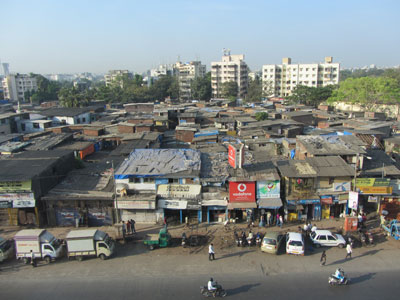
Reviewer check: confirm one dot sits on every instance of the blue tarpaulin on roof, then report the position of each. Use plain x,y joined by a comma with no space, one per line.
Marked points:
206,133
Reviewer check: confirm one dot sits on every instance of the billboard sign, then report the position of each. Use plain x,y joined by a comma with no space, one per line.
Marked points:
353,200
268,189
243,191
232,156
15,186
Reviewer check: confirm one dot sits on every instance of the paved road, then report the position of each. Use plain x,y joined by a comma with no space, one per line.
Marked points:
246,273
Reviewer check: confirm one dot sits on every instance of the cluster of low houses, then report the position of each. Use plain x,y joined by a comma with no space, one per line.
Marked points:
194,162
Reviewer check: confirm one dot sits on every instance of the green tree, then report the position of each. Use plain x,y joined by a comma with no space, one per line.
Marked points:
165,86
72,97
230,90
201,87
47,90
261,116
358,73
367,91
254,91
393,73
311,96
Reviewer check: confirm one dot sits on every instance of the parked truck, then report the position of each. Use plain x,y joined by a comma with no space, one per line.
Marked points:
162,239
6,249
43,244
392,229
90,242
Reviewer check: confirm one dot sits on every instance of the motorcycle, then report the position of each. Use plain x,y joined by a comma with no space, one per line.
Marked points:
219,292
333,280
184,240
258,239
370,238
237,239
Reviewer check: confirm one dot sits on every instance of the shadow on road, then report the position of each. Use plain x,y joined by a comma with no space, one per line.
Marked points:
341,261
240,254
242,289
365,277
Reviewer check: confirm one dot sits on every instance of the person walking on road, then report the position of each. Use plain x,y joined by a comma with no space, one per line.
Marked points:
323,258
349,251
123,230
211,253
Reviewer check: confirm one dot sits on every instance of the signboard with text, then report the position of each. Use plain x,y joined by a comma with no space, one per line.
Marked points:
244,191
15,186
187,191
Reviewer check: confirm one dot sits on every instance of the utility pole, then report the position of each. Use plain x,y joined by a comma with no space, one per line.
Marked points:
115,191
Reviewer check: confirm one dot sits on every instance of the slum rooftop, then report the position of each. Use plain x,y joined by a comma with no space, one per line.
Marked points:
160,162
332,145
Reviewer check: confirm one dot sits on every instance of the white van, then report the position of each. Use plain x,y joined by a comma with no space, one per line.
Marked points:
294,243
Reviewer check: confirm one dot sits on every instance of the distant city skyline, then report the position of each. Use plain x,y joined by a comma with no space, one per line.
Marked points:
55,37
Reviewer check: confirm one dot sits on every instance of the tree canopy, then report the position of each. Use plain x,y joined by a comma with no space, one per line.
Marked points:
230,89
254,91
312,96
261,116
367,91
201,87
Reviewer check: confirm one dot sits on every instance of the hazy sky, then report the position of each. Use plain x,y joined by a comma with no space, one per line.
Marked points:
60,36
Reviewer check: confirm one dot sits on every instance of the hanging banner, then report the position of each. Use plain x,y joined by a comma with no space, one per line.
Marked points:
353,200
269,189
242,191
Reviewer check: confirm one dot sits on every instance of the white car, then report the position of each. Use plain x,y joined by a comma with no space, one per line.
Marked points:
327,238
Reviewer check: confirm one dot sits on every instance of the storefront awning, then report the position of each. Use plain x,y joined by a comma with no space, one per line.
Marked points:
214,203
270,203
242,205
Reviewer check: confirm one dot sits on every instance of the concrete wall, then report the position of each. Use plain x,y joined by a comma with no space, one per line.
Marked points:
391,110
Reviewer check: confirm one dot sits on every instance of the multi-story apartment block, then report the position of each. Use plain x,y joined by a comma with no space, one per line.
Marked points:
280,80
15,86
230,68
114,75
186,72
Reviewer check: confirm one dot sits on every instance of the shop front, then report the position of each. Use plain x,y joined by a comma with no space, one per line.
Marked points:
18,207
215,211
141,210
371,190
268,199
180,202
333,206
242,201
304,209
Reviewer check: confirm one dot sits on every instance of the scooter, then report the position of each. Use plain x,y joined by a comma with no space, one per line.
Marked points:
219,292
333,280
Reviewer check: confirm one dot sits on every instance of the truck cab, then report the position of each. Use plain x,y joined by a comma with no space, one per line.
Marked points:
6,249
105,247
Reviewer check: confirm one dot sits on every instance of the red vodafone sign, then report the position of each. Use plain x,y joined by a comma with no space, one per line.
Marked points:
243,191
232,156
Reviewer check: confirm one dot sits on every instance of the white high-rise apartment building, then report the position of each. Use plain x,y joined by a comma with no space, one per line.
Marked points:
280,80
231,68
113,75
15,86
186,73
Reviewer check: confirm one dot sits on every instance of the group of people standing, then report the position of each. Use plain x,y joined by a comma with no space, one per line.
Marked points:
128,227
268,219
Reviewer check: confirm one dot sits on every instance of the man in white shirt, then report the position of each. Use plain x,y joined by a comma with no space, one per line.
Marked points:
212,285
211,252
